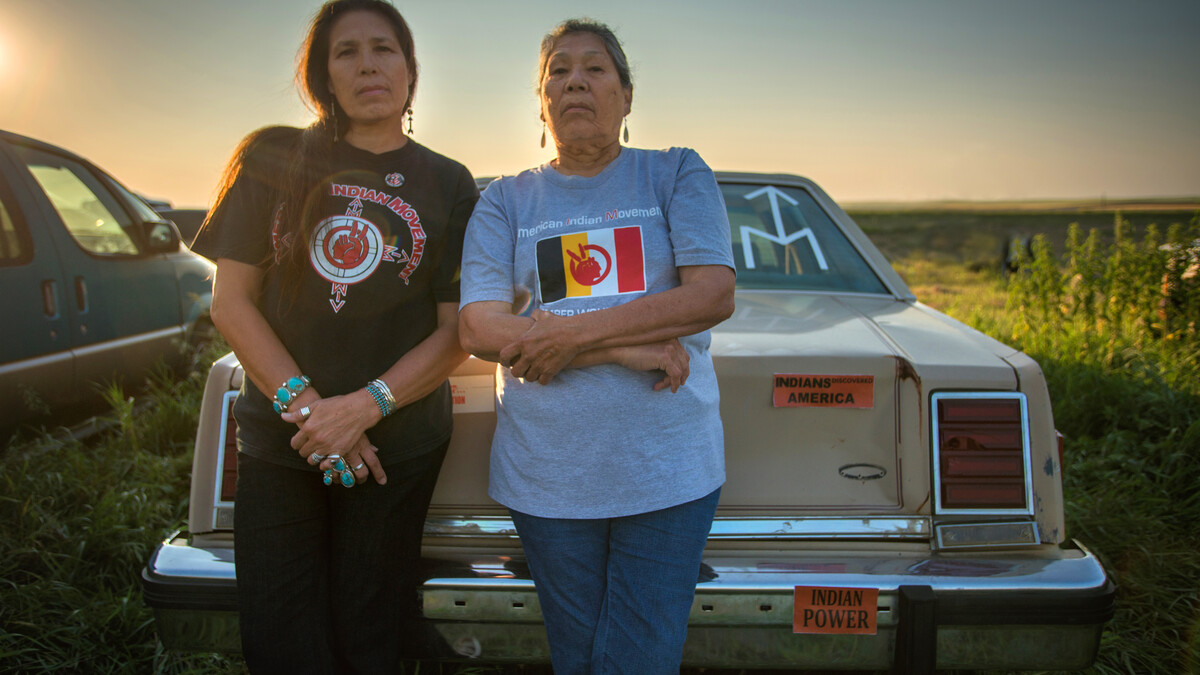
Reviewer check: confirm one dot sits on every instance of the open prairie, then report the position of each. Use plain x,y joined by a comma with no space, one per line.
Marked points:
970,234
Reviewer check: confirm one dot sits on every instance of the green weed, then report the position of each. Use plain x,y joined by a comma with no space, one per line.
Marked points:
1123,371
78,521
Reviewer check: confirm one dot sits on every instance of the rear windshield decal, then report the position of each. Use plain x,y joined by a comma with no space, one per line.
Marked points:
781,236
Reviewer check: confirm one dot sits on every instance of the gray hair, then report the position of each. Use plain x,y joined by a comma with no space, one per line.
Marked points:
586,25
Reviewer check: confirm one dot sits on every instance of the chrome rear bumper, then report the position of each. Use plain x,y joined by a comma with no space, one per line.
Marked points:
1043,609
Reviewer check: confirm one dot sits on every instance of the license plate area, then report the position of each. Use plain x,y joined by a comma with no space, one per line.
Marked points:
826,610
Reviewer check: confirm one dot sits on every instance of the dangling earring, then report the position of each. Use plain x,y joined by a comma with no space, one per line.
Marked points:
543,134
626,130
410,121
333,116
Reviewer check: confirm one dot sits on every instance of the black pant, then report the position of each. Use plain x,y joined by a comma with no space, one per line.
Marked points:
327,576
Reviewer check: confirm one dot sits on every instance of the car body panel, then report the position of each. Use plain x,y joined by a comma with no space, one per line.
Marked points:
828,492
35,345
116,313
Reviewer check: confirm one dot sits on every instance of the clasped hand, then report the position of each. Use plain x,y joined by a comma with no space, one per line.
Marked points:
543,350
335,426
667,356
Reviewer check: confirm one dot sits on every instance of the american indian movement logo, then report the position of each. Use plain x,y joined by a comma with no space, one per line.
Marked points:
347,249
591,264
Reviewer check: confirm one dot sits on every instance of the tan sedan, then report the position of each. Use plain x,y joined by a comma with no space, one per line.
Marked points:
894,494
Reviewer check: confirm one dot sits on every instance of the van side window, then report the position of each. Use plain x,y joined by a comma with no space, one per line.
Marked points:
90,212
14,240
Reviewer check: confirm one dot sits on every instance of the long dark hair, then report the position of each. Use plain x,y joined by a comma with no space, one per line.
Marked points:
302,157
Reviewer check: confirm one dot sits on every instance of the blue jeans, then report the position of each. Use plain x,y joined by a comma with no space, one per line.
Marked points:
616,592
327,576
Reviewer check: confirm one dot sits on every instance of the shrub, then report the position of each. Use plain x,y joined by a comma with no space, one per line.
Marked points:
1114,329
1133,292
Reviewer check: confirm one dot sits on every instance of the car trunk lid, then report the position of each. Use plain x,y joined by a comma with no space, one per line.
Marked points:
819,398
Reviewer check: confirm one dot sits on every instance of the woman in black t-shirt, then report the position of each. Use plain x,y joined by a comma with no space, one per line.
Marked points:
337,250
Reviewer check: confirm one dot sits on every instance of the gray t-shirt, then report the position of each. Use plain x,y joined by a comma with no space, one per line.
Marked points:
599,442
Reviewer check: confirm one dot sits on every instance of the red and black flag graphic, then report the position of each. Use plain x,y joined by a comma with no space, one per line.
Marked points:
591,264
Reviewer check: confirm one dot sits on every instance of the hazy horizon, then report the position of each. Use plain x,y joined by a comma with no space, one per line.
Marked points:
876,101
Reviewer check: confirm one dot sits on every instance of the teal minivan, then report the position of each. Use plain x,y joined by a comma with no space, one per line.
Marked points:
94,285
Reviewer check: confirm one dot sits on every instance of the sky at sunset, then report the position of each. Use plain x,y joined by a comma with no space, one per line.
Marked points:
873,99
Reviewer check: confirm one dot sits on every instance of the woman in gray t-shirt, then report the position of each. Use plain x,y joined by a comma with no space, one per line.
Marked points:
608,448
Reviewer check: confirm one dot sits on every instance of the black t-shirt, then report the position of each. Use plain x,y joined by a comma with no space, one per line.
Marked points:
386,250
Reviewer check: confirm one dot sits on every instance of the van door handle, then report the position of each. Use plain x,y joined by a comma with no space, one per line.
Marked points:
81,295
50,299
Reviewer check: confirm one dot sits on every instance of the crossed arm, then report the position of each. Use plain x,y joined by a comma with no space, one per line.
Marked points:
642,334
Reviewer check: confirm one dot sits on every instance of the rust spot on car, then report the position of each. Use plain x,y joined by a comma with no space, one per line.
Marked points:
906,371
924,502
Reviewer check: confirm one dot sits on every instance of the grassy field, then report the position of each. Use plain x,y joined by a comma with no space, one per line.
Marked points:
79,519
977,238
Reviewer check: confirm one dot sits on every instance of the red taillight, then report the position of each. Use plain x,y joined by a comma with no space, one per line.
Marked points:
981,454
229,465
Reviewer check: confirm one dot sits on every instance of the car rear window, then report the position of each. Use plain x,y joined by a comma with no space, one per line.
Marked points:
783,240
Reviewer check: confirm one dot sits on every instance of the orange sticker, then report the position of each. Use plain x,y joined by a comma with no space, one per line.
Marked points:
831,611
473,393
824,391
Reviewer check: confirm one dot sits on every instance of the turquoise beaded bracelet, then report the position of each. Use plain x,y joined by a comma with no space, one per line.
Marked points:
288,391
382,396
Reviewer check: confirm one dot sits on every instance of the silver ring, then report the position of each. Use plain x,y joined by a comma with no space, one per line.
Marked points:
316,457
360,466
305,412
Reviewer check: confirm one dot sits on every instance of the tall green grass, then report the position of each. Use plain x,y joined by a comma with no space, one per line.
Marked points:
78,520
1123,368
1115,328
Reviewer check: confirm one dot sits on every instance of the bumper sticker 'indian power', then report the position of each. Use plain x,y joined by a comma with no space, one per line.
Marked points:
835,610
823,391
